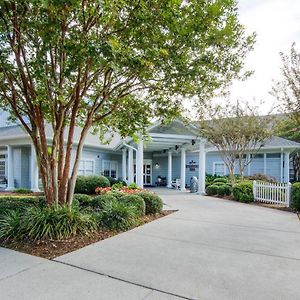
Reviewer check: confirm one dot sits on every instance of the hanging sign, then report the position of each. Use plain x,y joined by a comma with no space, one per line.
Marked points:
192,166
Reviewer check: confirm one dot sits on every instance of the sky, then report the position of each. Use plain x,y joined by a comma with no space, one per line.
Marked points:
277,25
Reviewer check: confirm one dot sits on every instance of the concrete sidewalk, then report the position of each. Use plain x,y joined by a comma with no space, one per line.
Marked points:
209,249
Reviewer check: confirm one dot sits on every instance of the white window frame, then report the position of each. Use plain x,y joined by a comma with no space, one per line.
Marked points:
111,161
84,167
214,167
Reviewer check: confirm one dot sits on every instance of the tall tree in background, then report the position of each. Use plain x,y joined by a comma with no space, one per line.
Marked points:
287,90
236,130
109,65
289,129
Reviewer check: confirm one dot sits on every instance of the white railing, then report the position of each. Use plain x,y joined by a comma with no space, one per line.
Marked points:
272,192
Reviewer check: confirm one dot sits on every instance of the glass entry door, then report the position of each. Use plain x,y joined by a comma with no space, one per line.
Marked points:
147,172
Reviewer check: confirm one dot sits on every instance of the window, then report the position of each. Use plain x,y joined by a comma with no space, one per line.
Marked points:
86,167
110,168
273,155
219,168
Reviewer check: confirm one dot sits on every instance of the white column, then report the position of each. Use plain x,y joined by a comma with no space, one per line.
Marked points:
286,167
201,169
265,163
130,166
169,169
182,171
140,164
34,171
10,169
124,156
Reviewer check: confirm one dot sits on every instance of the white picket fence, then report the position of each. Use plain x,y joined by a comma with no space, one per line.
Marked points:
272,192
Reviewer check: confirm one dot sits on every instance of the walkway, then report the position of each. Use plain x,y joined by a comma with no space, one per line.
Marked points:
209,249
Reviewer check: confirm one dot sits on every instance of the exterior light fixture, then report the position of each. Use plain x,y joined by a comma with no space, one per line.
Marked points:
176,147
157,165
193,142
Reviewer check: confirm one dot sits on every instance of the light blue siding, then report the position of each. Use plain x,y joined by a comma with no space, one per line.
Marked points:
21,157
99,156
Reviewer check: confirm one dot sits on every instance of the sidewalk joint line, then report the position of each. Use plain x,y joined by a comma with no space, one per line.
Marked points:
124,280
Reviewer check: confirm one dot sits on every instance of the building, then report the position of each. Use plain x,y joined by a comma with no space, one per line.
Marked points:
173,152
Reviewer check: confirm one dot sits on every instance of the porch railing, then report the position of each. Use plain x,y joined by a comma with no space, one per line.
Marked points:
272,192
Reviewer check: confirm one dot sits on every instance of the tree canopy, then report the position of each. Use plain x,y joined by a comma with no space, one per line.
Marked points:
236,130
109,65
287,89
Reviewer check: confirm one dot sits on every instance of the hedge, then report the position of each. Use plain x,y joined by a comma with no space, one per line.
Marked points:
101,200
154,203
212,190
243,191
295,203
88,184
136,201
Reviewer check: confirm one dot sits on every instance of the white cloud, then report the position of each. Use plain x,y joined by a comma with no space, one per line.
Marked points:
276,23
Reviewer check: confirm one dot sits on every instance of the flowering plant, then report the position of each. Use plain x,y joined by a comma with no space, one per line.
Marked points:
102,190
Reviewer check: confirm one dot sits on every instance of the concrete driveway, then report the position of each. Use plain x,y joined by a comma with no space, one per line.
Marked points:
209,249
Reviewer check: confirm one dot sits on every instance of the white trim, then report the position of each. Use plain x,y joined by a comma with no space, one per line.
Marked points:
111,161
214,167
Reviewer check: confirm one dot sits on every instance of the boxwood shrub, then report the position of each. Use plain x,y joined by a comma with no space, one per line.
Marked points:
154,203
224,190
100,201
88,184
212,190
220,180
136,201
243,191
295,203
83,199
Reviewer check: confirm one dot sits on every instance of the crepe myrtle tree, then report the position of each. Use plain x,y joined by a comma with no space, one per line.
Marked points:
109,66
236,130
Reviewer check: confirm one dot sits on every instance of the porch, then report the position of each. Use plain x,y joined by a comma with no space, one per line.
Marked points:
142,161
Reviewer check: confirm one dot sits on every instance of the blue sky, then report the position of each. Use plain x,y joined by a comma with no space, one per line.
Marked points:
277,24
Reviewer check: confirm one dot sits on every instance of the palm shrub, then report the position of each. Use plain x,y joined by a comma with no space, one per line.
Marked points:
154,203
9,225
243,191
47,223
18,203
295,203
117,215
136,201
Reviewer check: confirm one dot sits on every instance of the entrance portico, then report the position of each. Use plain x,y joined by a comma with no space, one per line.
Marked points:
163,147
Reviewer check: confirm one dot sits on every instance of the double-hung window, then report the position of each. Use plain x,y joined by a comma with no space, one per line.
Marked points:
86,167
110,168
219,169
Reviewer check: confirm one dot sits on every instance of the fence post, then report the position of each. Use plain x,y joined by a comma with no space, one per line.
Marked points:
288,194
254,190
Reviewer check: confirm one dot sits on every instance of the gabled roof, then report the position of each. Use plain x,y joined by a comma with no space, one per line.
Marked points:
175,127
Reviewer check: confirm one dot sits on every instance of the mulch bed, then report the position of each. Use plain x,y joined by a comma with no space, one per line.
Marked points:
52,249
